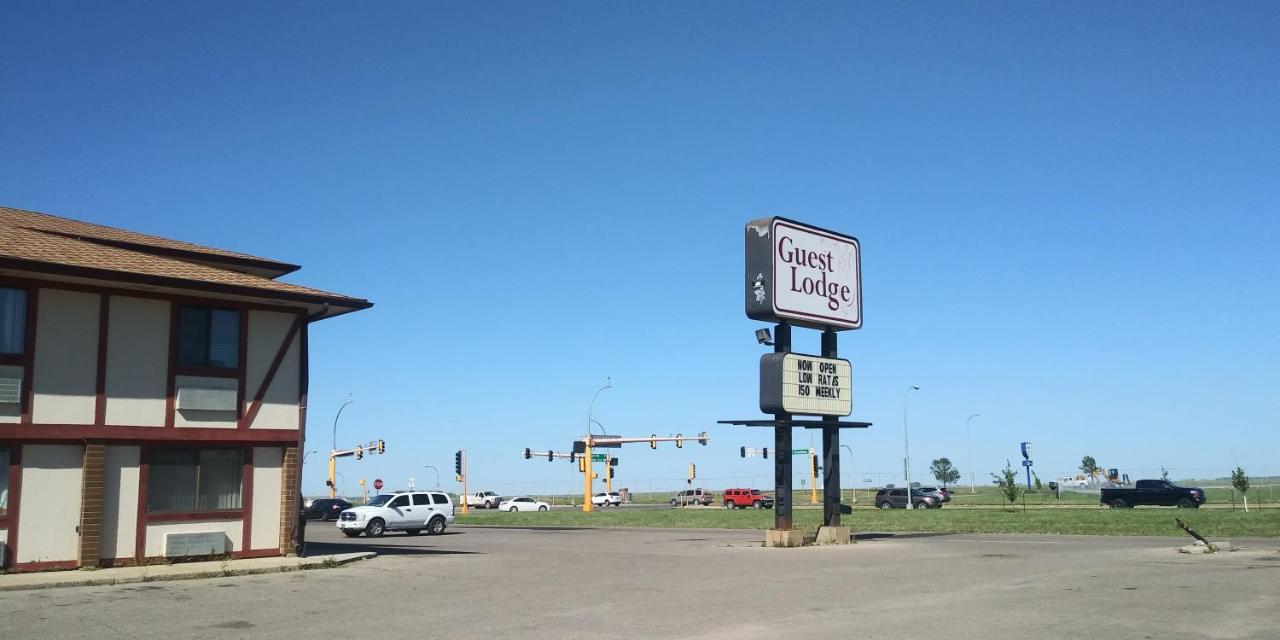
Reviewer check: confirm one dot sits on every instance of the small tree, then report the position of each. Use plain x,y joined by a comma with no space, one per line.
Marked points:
1007,481
1241,482
944,472
1035,477
1089,466
1164,473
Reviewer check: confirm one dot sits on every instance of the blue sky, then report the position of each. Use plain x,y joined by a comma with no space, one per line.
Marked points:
1068,214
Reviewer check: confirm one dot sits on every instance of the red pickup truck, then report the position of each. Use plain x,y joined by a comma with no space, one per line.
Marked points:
743,498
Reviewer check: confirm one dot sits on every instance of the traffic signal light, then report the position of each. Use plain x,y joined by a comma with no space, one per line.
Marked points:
653,441
359,452
382,446
702,438
457,463
813,460
582,465
742,452
549,456
765,453
328,483
610,473
679,441
693,471
527,453
573,455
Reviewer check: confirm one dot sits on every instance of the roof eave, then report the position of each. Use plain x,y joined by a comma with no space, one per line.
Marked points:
341,304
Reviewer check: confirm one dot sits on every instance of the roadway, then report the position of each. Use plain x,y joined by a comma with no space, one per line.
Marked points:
491,582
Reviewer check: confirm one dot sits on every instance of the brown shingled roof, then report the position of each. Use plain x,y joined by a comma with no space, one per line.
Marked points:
36,221
33,241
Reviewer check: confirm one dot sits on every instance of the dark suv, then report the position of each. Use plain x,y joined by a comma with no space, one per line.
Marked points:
325,508
897,499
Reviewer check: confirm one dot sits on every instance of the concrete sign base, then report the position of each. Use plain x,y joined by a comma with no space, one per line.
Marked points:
834,535
784,538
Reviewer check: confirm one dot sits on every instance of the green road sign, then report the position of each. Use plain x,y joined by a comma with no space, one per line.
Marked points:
799,452
597,457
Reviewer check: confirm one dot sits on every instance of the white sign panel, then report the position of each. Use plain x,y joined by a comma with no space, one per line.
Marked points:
804,275
805,385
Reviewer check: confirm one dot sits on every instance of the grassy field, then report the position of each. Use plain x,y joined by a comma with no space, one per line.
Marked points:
1130,522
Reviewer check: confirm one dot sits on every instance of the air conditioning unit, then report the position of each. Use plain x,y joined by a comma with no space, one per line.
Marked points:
206,399
10,390
211,543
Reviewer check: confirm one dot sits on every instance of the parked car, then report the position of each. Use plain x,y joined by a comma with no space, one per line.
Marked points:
743,498
481,500
692,496
941,493
523,503
897,499
325,508
408,511
610,499
1153,492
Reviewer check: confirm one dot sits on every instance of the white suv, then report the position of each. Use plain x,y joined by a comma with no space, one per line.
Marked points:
611,499
408,511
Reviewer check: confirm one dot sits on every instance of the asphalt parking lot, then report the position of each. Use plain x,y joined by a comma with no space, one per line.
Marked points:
645,583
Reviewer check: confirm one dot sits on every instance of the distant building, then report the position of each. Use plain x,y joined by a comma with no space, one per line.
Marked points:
152,396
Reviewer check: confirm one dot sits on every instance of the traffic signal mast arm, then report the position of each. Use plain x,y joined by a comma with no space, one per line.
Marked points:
375,446
702,439
549,455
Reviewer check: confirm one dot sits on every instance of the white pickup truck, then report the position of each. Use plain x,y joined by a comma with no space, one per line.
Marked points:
481,500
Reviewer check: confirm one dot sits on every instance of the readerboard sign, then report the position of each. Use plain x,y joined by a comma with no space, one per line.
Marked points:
803,275
805,385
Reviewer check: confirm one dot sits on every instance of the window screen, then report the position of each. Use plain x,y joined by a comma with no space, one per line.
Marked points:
421,498
194,480
13,321
208,337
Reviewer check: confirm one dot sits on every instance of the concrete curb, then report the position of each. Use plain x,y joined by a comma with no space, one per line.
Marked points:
165,573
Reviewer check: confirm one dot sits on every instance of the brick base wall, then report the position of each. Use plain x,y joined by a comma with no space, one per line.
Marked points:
289,487
92,491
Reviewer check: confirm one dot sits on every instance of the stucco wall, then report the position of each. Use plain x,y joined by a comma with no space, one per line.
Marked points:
267,330
207,419
156,532
66,358
120,502
267,468
11,412
51,478
137,361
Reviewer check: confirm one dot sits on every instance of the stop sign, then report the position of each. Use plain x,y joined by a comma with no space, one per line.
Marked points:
377,484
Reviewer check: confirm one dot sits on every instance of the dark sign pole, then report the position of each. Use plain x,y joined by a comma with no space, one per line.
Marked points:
830,450
782,445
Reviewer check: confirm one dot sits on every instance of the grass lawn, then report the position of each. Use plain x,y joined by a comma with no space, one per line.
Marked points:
1126,522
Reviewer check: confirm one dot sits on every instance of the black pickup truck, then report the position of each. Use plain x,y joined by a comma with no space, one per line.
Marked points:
1160,493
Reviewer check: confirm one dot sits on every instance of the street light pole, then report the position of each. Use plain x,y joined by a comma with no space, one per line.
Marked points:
437,474
906,444
969,445
333,464
851,475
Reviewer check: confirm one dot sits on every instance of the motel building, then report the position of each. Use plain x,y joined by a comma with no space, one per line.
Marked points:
153,396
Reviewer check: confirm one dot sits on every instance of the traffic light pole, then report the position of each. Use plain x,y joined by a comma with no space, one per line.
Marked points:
333,472
782,518
464,481
586,478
